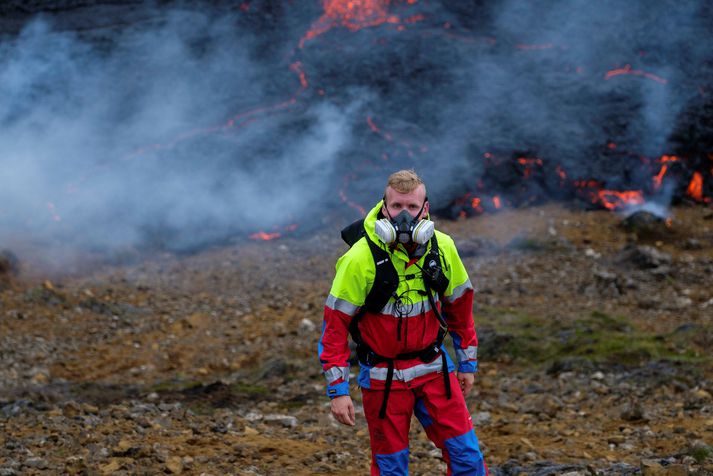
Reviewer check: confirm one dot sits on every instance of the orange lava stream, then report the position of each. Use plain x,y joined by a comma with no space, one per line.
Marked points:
658,178
355,15
261,235
613,200
695,187
355,206
635,72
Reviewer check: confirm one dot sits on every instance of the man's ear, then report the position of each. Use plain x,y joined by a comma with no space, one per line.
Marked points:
426,208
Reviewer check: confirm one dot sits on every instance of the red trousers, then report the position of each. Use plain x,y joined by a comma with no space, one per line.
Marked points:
447,423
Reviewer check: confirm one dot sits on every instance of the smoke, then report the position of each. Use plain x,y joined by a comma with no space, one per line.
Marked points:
195,126
108,146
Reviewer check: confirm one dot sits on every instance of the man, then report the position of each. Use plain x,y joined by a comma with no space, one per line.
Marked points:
397,291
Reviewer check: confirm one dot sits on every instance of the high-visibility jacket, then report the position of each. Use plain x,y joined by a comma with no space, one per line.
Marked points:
404,325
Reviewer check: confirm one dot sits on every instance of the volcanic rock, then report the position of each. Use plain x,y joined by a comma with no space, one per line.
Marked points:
284,420
570,364
633,411
643,257
540,468
71,409
645,225
9,267
493,343
692,244
9,264
111,467
37,463
606,284
542,404
482,418
654,468
174,464
307,325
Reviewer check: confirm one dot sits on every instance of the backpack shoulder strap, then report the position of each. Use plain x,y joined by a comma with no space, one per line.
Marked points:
433,266
386,281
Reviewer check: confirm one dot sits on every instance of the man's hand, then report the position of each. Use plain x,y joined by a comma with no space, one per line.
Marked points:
466,380
343,409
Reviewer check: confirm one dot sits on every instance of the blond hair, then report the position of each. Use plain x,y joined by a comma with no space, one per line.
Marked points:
404,181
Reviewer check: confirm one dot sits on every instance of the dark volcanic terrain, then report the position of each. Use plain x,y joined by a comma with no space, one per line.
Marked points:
594,354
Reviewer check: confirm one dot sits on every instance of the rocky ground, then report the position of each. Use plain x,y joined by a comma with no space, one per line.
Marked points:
594,337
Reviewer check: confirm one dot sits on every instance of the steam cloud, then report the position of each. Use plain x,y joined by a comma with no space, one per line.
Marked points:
109,145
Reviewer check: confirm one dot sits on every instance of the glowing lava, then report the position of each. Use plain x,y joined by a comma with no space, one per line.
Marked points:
695,187
264,236
636,72
528,165
614,200
268,236
345,198
658,178
355,15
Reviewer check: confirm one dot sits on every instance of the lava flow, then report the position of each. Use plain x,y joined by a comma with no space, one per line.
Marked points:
593,192
627,69
271,235
355,15
382,46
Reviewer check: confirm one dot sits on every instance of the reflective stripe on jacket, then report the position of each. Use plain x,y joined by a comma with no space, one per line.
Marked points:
404,325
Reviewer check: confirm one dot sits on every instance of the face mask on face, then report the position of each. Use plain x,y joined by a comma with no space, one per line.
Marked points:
404,228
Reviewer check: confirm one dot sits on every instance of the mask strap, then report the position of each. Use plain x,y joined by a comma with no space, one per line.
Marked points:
418,214
422,207
387,209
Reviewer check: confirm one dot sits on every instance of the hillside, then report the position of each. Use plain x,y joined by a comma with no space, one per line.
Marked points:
594,336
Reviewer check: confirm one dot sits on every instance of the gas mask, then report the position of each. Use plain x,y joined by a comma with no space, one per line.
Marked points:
404,228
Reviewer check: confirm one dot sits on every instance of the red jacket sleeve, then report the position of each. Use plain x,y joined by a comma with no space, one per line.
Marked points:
347,294
457,309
